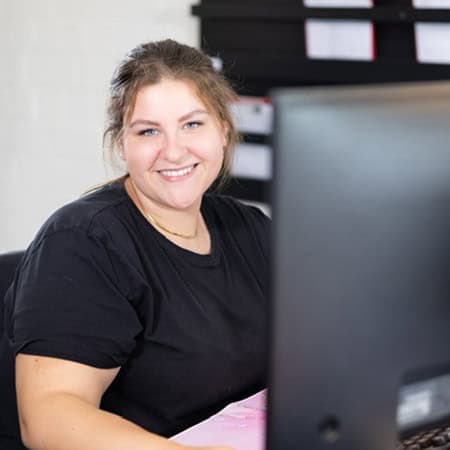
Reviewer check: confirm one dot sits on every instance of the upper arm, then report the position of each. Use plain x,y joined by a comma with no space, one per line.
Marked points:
71,301
39,376
49,388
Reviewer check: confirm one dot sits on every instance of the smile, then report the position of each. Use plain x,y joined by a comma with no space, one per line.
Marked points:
177,173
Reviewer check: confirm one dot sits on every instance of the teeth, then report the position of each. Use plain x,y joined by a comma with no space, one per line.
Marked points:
176,173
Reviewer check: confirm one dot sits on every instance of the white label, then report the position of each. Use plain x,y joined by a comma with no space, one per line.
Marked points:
431,3
339,39
338,3
433,43
253,161
253,115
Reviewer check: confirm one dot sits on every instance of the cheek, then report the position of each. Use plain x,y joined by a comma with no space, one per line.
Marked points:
212,146
213,152
216,160
138,155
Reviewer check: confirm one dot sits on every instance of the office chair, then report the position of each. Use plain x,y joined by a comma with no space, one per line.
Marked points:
8,264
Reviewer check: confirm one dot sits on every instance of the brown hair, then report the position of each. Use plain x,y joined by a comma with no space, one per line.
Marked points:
148,64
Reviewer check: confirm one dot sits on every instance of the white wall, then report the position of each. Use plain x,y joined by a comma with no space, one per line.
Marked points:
57,58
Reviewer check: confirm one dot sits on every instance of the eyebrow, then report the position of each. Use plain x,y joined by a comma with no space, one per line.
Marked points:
181,119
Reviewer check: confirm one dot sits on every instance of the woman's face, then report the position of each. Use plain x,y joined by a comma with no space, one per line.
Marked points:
172,145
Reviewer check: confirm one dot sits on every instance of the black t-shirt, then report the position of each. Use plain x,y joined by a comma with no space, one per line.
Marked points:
99,285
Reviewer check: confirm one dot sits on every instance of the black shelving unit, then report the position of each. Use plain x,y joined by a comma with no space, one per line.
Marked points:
262,45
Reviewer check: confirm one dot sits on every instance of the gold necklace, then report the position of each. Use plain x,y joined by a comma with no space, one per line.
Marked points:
155,222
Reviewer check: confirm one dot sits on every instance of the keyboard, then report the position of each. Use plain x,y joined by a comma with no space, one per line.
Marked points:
434,439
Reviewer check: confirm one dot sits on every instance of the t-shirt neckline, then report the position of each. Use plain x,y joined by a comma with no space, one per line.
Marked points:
208,259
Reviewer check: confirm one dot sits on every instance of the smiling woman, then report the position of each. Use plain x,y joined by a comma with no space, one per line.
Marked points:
141,308
170,120
174,150
152,62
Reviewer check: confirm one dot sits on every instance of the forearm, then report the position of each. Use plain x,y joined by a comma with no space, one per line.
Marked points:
64,421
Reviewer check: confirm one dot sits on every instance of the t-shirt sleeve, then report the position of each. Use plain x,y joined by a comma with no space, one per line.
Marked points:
70,302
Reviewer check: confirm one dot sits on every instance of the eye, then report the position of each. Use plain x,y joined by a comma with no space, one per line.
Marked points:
148,132
193,124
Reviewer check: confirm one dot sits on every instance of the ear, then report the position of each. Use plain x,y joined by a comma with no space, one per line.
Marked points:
121,150
225,130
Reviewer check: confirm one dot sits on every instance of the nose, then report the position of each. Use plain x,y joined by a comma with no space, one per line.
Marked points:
173,149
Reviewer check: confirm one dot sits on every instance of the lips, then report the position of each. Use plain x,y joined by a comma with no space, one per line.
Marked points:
172,173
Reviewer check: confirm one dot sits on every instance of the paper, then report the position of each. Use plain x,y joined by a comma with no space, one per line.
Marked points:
252,161
431,4
432,39
433,43
217,63
339,39
338,3
253,115
240,425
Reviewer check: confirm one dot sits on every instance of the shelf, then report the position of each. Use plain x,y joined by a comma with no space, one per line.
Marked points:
376,14
263,46
292,70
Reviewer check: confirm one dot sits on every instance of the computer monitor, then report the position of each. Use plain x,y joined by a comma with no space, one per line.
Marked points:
361,266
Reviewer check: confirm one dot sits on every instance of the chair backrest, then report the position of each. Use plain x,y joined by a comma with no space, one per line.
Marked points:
8,422
8,265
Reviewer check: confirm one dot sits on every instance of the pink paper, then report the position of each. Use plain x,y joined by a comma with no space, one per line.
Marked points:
240,425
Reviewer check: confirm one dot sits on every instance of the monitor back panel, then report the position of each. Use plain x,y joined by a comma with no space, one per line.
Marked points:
361,266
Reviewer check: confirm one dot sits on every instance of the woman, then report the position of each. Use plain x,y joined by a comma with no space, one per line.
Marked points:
140,309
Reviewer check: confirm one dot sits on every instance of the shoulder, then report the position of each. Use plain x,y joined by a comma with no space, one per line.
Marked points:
86,235
88,215
242,226
230,209
242,223
96,222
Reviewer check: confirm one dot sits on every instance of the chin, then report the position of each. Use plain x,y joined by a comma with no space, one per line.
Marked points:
185,203
185,198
